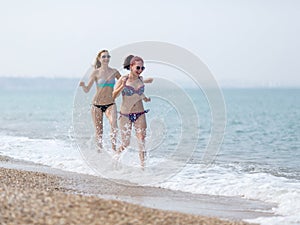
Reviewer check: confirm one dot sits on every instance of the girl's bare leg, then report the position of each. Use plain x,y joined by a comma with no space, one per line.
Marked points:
97,116
111,114
140,130
125,129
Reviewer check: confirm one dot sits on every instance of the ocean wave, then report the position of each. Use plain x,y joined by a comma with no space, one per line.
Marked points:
220,180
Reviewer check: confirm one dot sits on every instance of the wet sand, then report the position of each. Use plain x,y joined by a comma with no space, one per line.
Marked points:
35,194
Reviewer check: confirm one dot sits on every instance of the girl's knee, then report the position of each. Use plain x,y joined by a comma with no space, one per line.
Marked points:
141,134
141,137
126,142
123,146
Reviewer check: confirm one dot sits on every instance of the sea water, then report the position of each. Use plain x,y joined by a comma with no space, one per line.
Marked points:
258,159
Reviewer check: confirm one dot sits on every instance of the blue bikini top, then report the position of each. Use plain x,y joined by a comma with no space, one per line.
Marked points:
129,90
106,83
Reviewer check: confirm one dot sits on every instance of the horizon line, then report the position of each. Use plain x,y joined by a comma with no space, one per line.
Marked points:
239,85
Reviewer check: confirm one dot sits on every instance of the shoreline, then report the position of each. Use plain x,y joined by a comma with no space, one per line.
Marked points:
128,203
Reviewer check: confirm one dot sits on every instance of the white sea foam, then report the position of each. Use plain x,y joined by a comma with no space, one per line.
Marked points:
54,153
216,180
213,180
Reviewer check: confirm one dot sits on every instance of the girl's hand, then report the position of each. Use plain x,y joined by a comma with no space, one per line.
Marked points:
81,84
150,79
146,99
123,81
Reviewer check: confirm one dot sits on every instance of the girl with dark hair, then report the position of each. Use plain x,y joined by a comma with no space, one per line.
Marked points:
126,65
132,110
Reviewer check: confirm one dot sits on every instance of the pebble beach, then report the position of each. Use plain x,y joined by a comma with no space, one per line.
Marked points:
31,197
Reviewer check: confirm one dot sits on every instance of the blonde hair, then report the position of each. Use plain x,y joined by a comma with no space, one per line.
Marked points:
97,63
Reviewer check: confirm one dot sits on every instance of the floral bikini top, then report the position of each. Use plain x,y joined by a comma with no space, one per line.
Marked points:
129,90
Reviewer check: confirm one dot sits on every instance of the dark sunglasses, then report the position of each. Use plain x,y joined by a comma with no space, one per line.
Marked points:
105,56
140,68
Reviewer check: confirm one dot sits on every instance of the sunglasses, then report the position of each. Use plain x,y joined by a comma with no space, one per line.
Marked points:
105,56
140,68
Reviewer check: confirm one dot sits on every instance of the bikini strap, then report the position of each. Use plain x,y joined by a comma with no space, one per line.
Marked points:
126,79
140,77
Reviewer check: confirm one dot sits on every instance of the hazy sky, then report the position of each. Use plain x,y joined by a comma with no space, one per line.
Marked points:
241,41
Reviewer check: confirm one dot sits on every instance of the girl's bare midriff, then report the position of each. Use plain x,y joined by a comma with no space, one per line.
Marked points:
103,95
132,104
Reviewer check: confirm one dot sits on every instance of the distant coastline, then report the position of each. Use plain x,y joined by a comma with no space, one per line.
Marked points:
70,83
38,83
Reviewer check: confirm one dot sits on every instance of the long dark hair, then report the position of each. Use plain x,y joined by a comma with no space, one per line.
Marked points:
126,64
